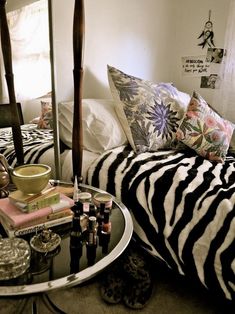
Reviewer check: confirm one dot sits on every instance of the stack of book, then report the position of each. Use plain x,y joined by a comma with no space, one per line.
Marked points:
22,214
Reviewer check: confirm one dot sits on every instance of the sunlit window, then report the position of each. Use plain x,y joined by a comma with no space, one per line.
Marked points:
29,33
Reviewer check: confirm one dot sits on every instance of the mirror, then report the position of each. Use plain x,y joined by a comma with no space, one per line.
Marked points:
29,33
30,26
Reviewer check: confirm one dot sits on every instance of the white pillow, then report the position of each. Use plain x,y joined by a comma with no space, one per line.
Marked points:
101,127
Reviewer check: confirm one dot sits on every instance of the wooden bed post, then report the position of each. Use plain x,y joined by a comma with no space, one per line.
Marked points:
78,38
7,58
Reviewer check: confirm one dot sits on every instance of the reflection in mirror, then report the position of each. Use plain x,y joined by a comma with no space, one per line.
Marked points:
29,33
28,23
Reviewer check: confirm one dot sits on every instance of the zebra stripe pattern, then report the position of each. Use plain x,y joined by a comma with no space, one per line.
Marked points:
35,143
182,207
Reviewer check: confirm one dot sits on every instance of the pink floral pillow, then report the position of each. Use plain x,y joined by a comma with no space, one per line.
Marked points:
203,130
46,118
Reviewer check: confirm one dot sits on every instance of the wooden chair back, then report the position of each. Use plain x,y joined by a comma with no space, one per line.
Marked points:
6,116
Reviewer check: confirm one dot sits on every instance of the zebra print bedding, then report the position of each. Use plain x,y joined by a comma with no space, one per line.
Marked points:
182,207
36,142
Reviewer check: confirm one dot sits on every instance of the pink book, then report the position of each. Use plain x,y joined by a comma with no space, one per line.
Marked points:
16,217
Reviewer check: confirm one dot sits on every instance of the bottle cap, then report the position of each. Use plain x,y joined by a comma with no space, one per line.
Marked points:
92,222
92,210
84,197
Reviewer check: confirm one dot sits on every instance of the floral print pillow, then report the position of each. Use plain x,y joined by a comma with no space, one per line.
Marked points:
150,113
203,130
46,118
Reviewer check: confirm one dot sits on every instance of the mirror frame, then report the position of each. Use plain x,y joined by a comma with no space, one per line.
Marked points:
56,135
7,58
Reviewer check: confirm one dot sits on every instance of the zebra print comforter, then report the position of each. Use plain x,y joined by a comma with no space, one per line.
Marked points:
182,207
35,143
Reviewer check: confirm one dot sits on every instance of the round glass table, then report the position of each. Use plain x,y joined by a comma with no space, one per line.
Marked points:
53,270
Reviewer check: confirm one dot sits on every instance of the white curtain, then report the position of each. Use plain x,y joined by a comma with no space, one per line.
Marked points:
224,97
29,33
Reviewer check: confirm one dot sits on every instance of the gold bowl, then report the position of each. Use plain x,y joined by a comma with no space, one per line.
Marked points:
31,178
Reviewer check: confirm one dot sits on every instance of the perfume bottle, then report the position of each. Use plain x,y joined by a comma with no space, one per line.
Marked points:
105,232
91,243
76,243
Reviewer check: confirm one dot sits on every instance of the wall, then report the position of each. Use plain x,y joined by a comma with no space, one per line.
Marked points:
17,4
145,38
129,35
190,17
117,32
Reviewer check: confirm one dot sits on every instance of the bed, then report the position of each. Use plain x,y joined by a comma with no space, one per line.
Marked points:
180,190
38,145
177,178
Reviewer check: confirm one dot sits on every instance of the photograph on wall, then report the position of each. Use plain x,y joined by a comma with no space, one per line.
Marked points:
211,81
195,66
215,55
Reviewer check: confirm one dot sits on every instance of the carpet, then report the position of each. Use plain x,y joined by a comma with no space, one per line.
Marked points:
172,294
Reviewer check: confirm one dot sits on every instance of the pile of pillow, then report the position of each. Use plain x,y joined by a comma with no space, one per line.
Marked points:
43,106
150,116
154,116
46,118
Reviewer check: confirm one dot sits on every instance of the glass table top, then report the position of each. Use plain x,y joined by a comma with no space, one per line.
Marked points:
64,268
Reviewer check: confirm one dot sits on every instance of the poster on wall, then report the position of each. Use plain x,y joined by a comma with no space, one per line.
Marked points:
215,55
211,81
195,66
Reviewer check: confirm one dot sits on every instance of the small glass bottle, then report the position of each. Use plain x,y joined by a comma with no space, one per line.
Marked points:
76,243
105,232
79,207
92,210
91,244
100,218
85,199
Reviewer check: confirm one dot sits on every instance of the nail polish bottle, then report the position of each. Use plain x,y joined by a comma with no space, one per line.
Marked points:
105,232
79,207
92,210
76,243
100,218
91,243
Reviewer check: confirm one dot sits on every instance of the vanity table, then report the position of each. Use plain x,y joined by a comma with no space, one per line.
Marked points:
53,270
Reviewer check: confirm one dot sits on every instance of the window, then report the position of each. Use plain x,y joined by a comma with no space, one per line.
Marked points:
29,33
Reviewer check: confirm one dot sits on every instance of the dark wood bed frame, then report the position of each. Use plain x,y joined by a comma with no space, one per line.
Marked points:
78,38
7,59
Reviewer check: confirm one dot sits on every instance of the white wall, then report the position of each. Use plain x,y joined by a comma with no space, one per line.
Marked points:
129,35
190,17
126,34
63,46
145,38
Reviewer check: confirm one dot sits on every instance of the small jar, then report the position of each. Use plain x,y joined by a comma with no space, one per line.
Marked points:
104,198
15,257
85,199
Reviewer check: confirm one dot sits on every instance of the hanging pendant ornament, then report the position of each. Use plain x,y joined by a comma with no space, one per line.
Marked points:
207,34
